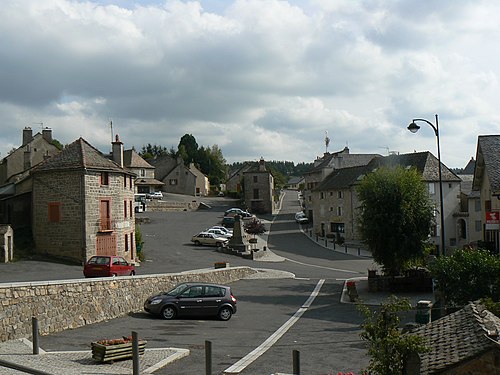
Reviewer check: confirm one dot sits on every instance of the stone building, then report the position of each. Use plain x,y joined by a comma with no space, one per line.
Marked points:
145,182
334,202
34,149
259,189
179,178
234,183
83,204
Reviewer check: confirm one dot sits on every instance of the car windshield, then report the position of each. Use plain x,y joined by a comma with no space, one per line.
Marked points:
177,290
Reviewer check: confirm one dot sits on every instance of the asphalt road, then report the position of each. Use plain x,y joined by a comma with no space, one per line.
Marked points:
327,334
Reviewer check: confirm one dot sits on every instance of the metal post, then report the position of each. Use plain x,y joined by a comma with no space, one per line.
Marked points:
441,206
326,241
296,362
345,248
135,353
34,328
208,357
359,251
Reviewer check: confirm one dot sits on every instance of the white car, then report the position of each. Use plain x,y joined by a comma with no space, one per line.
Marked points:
210,239
301,218
224,229
156,195
219,232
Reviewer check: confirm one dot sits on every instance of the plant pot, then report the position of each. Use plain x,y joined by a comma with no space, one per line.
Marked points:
252,240
107,353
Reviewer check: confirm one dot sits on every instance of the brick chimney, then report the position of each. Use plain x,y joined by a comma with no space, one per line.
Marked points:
27,135
47,134
117,151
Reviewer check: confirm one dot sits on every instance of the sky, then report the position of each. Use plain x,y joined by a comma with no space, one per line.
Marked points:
258,78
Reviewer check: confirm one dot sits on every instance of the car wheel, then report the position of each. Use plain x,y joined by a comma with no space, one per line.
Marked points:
114,275
168,312
218,244
197,243
225,313
132,273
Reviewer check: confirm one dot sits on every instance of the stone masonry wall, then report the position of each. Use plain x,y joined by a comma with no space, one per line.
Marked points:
69,304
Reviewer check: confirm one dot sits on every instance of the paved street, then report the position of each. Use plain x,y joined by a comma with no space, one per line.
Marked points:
327,334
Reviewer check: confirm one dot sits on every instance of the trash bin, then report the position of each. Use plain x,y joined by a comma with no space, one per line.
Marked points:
423,315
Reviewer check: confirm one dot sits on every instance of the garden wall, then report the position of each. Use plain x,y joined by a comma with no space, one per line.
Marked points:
69,304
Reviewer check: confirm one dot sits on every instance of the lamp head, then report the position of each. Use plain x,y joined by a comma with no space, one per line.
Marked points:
413,127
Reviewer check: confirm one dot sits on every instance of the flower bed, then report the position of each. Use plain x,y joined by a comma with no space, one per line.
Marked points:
115,349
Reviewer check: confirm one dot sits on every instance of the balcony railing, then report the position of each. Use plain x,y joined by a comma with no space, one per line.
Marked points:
106,225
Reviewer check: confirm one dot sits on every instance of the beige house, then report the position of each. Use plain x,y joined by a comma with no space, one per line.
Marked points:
202,187
259,189
334,202
34,149
487,183
145,181
83,204
234,183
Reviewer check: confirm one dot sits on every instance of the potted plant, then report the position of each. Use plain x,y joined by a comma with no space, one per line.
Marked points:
111,350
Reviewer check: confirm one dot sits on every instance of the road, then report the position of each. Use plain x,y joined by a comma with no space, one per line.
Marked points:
326,334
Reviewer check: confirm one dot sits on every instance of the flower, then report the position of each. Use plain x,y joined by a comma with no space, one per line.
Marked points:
123,340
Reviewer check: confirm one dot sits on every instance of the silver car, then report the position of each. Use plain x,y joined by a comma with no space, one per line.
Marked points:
210,239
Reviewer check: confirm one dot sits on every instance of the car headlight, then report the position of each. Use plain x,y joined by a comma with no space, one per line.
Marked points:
155,302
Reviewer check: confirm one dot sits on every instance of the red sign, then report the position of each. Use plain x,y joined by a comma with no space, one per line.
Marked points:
492,217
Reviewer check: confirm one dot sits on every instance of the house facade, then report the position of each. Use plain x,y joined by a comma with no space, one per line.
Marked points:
83,204
487,182
259,189
145,182
202,184
334,203
34,149
234,183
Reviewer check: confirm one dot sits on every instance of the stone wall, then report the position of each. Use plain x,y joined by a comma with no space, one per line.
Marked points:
69,304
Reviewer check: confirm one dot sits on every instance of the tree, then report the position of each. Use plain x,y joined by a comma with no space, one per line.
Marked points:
395,216
255,226
467,275
190,148
388,347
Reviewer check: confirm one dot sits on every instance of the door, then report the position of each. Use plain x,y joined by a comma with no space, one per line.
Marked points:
105,244
213,298
191,301
105,215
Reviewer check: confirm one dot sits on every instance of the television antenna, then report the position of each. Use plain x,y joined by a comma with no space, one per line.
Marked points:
327,141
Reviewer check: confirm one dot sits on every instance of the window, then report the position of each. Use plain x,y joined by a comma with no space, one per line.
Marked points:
130,210
143,173
339,211
432,189
131,241
339,194
125,181
104,179
131,183
125,209
126,242
255,193
331,194
337,227
487,205
478,226
173,181
331,209
255,179
321,195
477,205
54,212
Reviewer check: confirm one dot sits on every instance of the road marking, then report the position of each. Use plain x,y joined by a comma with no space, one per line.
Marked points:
327,268
271,340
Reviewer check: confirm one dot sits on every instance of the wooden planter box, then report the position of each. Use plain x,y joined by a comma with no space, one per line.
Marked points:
221,264
107,353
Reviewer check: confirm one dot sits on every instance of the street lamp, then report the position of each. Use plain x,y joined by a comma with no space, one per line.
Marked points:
413,127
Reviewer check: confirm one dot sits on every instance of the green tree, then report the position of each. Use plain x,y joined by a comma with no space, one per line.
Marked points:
388,347
255,226
152,151
395,216
467,275
189,148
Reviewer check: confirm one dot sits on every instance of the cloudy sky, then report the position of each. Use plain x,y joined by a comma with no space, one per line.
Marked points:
259,78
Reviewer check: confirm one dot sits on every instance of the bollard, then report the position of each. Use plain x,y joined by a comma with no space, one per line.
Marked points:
359,251
135,353
316,238
34,327
208,357
346,248
296,362
333,245
326,242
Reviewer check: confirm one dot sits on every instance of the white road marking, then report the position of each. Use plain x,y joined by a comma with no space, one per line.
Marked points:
271,340
327,268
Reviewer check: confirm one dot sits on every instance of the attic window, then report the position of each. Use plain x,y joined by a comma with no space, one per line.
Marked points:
104,178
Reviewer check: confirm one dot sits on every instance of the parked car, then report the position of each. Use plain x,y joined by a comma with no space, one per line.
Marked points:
238,211
204,238
301,218
108,265
228,221
156,195
193,299
224,229
219,232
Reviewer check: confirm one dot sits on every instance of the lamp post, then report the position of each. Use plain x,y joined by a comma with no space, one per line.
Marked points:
413,127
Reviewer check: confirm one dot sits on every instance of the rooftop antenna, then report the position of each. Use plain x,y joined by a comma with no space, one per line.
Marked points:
111,128
327,141
386,148
39,123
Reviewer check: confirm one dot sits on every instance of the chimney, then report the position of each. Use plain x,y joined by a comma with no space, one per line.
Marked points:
27,135
47,134
27,158
117,151
262,165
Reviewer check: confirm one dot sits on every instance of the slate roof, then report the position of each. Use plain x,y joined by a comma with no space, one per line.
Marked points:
458,337
469,168
131,159
342,178
348,160
488,159
79,155
425,162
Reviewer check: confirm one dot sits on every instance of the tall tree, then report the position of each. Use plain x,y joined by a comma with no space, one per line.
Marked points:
190,146
395,216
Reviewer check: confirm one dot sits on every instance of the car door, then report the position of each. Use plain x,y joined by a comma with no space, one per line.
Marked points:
191,301
213,297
